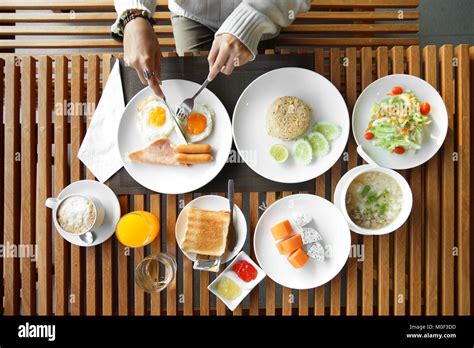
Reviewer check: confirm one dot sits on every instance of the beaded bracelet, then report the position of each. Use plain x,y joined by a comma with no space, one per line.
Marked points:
125,18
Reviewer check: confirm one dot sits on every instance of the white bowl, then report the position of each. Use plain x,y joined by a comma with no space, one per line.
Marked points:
348,178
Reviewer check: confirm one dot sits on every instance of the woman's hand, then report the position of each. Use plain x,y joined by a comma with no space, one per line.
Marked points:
142,52
226,53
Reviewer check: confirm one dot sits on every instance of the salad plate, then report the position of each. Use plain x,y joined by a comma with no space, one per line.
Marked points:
399,122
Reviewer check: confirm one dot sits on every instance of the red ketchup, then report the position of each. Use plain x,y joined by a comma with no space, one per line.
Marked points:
245,271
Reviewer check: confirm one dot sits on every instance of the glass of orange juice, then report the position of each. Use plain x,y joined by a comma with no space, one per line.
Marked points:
137,229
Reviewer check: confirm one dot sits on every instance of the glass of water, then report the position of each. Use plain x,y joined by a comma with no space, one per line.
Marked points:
155,272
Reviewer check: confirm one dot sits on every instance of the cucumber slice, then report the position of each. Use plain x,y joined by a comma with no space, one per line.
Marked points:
319,144
329,130
279,153
303,151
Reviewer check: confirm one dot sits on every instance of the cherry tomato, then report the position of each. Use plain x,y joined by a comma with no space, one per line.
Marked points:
397,90
369,135
399,150
425,108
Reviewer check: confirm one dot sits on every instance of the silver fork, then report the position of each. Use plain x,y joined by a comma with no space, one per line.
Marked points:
187,105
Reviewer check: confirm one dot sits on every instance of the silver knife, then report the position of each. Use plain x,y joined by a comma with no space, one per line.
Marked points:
177,125
231,234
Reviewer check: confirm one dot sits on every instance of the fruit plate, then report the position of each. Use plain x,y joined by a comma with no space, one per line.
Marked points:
330,224
175,179
249,131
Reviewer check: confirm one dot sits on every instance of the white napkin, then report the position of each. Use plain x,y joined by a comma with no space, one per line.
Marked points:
99,149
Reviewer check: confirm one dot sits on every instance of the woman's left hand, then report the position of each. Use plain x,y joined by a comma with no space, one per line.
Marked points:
227,52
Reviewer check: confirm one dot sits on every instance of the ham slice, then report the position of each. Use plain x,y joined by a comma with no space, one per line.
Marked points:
160,151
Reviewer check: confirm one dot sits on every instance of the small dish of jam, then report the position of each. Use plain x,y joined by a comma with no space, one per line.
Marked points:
237,280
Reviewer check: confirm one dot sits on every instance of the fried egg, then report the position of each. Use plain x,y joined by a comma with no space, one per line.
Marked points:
198,125
154,118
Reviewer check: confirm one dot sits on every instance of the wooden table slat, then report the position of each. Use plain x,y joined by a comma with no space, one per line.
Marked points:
77,133
155,208
447,184
61,130
92,254
123,266
320,183
188,277
28,182
432,206
43,214
11,228
416,219
335,76
2,176
367,265
400,236
254,294
138,256
172,289
351,97
383,242
108,248
465,58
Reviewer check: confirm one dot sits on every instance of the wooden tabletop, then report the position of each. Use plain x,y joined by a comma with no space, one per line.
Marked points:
424,268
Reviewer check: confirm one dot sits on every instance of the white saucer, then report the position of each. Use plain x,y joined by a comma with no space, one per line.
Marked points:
212,202
110,203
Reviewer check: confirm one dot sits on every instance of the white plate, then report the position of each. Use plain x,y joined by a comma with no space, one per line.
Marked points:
109,202
171,179
216,203
329,222
244,286
248,123
434,134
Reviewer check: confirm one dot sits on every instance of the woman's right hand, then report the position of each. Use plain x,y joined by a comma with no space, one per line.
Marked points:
142,52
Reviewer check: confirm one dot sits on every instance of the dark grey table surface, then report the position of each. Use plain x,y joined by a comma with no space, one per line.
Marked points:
228,89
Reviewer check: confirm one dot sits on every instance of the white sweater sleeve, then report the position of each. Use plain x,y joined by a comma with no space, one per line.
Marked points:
254,18
123,5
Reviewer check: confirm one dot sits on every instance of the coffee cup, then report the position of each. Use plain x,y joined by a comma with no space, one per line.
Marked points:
76,214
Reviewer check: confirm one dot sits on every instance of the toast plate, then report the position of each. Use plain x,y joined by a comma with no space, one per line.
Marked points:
175,179
248,122
328,221
212,202
434,133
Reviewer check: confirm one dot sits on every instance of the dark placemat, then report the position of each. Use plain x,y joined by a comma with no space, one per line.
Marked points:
228,89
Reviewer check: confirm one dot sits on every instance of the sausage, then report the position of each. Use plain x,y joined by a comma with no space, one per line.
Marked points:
186,158
193,148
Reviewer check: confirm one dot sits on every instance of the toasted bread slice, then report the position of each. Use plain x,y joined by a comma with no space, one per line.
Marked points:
206,232
159,151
